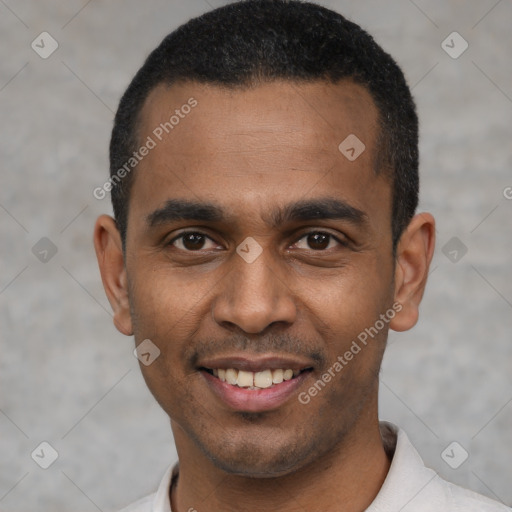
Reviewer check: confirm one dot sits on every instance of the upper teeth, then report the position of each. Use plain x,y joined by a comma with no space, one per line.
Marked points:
245,379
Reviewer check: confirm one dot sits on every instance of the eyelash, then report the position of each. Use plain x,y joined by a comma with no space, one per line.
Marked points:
304,235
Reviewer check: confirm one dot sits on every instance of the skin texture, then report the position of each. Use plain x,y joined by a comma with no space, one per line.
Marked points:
249,152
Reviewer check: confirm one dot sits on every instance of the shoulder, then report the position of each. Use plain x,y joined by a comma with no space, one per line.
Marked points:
467,500
412,487
143,505
158,501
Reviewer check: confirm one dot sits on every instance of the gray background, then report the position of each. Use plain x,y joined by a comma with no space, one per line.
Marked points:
69,378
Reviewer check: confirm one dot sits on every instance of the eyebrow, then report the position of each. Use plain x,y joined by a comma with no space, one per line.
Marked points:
305,210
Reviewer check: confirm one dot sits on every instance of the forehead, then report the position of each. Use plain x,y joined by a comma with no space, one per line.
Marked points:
309,114
257,144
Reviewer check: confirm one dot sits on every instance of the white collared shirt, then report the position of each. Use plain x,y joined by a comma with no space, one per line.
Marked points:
409,485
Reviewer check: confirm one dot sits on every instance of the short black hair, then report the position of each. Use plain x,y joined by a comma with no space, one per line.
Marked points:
249,42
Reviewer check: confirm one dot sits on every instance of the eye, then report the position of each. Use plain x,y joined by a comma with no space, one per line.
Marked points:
196,241
191,241
319,241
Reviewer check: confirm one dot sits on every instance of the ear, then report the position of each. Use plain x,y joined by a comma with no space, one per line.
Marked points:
414,254
109,251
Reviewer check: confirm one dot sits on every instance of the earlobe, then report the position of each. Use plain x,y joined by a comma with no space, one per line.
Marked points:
109,252
414,254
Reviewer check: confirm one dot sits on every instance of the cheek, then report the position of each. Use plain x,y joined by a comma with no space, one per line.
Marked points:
347,314
166,301
352,298
168,307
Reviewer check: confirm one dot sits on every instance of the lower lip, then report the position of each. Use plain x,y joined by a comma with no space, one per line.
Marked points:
254,400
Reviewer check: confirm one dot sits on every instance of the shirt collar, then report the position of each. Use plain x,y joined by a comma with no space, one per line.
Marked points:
162,501
406,478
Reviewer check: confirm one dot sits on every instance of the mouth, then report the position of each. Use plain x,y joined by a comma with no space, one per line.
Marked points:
254,385
254,380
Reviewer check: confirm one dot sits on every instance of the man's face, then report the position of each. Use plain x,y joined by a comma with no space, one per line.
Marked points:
319,281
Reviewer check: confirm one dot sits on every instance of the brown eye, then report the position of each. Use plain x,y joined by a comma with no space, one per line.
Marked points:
191,241
318,241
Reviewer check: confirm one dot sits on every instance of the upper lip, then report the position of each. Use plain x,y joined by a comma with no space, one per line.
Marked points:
255,364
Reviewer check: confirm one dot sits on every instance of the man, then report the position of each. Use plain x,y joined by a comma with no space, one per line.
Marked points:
264,179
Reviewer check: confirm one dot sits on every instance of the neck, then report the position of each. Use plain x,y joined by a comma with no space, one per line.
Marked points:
351,475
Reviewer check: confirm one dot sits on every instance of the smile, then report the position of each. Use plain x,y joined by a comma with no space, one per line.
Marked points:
254,380
254,384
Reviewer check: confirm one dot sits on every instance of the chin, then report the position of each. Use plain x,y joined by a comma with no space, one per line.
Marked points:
238,466
268,459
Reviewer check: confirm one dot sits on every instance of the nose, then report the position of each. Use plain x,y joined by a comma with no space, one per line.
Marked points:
254,296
